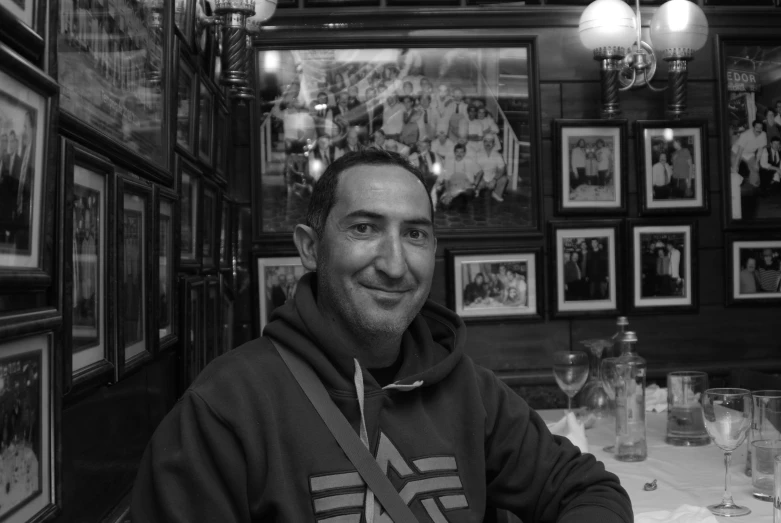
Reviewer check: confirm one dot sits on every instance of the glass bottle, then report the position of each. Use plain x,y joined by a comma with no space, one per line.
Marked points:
630,401
622,323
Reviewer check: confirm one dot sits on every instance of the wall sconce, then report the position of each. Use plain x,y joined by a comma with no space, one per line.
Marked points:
237,17
612,30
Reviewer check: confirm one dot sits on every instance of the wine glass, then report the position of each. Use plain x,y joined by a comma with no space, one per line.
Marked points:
728,417
570,368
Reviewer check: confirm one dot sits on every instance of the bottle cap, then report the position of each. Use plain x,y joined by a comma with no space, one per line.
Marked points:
622,320
628,336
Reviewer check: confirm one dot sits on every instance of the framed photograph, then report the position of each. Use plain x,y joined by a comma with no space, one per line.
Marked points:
111,63
226,260
165,307
205,130
664,266
496,284
587,268
25,126
211,324
192,293
591,166
88,183
134,274
672,166
753,269
227,296
210,223
29,439
185,106
24,23
277,281
189,185
420,101
751,131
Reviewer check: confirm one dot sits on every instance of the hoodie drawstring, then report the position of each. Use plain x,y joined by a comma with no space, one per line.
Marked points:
358,378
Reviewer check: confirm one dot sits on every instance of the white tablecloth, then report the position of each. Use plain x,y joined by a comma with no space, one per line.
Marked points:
684,475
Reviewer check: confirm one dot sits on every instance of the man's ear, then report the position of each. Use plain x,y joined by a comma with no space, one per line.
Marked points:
306,241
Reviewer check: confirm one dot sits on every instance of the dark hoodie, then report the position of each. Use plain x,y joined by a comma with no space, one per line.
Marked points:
244,443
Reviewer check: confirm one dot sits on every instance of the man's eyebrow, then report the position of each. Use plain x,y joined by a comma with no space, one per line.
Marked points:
363,213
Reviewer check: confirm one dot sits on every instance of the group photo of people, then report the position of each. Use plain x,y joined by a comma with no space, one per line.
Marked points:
760,270
586,269
278,284
663,265
592,168
492,285
440,108
674,166
17,173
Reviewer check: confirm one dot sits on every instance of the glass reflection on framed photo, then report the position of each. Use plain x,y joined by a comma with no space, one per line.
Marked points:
751,131
209,232
320,104
591,161
211,323
185,105
226,336
205,131
111,70
663,260
753,269
225,239
496,284
277,282
587,267
672,166
28,436
192,329
189,209
166,318
221,141
24,119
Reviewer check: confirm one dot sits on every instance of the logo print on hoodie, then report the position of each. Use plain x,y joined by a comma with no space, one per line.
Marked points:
428,479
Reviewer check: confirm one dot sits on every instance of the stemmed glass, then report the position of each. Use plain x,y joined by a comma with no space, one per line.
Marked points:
728,417
570,368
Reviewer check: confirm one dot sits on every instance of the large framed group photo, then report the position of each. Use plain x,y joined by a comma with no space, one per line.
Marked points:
753,265
751,131
466,116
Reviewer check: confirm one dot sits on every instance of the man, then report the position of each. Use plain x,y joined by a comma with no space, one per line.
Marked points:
428,117
392,117
494,177
386,144
675,267
456,186
427,162
604,162
661,173
596,271
443,146
244,444
351,144
749,144
578,164
770,165
683,171
374,112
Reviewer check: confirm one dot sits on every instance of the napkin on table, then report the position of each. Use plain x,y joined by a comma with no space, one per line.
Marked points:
655,398
572,429
683,514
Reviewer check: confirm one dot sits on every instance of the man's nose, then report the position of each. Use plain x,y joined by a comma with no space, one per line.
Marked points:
391,258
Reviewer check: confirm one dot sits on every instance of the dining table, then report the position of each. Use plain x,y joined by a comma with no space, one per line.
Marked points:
684,475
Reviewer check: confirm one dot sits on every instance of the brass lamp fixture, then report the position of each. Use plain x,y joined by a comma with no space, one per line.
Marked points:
237,17
612,30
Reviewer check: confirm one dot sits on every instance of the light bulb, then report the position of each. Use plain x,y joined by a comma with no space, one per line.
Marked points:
264,9
679,24
607,23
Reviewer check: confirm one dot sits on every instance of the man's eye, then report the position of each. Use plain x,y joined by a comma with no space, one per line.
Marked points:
417,234
362,228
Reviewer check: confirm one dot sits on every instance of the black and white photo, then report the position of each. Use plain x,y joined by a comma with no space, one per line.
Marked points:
189,212
672,168
465,122
754,265
277,282
165,270
663,259
133,277
209,232
494,284
586,267
591,156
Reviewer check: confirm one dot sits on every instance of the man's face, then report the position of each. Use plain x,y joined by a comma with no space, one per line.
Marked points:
458,95
669,247
442,136
352,138
776,145
423,146
322,99
442,90
488,144
375,260
459,153
751,264
344,98
758,129
595,245
379,138
352,91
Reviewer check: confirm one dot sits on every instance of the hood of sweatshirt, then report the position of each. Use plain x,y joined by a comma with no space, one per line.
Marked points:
430,348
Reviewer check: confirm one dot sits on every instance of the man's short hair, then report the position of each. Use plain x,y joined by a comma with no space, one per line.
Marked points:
459,146
775,139
324,193
758,121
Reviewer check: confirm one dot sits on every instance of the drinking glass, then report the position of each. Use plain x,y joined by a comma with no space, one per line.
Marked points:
570,368
727,415
609,376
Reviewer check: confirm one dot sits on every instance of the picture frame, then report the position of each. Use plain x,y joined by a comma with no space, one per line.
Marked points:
496,284
123,107
185,105
747,90
228,299
135,270
189,179
672,167
593,288
205,121
210,217
757,285
88,181
24,26
27,105
192,329
166,309
212,324
511,120
591,162
277,277
664,266
29,368
226,225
